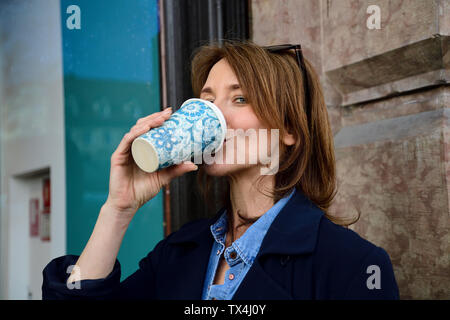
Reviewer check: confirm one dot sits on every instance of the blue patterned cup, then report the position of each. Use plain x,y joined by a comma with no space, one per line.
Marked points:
197,127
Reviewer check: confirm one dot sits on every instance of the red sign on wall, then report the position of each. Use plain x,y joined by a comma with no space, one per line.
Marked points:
34,217
45,213
46,193
45,224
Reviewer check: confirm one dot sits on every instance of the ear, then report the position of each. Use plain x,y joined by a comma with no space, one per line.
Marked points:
288,139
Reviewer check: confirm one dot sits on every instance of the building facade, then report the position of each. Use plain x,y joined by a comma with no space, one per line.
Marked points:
385,68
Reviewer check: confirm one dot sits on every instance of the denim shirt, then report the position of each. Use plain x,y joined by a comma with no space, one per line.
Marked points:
239,255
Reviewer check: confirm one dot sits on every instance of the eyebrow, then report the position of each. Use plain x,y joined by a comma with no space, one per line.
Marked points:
231,87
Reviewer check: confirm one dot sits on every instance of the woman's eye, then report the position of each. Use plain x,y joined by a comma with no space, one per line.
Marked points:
240,100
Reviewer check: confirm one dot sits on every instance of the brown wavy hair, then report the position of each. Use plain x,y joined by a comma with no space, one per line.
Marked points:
273,85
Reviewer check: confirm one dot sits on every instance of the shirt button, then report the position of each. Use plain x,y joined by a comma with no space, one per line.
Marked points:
231,276
218,252
233,255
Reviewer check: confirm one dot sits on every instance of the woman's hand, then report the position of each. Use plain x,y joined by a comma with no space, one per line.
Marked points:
130,187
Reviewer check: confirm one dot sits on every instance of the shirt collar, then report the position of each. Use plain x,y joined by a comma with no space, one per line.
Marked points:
247,246
249,243
293,231
219,229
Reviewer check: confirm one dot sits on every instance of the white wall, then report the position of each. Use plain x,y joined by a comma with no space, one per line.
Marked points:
31,131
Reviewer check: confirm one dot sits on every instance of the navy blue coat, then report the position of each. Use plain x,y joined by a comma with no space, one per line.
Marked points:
303,256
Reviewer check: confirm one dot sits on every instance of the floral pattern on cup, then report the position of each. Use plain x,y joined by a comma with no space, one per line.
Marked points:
197,125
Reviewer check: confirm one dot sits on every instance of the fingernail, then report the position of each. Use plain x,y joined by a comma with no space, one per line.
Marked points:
195,167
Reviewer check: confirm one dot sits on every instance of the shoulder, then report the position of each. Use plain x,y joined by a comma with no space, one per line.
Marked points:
341,251
337,243
334,239
194,231
188,233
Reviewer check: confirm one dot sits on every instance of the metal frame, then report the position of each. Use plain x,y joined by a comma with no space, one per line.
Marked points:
185,25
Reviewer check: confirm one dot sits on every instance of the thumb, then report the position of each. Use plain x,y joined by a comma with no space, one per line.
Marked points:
167,174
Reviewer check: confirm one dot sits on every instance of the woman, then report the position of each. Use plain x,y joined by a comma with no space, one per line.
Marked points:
273,238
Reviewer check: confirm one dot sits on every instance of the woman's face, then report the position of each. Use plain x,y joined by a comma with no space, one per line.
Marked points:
223,89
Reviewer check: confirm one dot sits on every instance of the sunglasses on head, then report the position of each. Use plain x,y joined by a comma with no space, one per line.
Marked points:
301,65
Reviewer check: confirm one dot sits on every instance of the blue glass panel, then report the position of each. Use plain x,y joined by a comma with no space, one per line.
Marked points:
111,78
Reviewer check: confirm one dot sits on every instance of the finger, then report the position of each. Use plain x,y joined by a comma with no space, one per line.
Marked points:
154,115
136,131
164,115
166,175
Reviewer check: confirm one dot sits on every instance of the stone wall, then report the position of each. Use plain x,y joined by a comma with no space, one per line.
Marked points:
388,96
